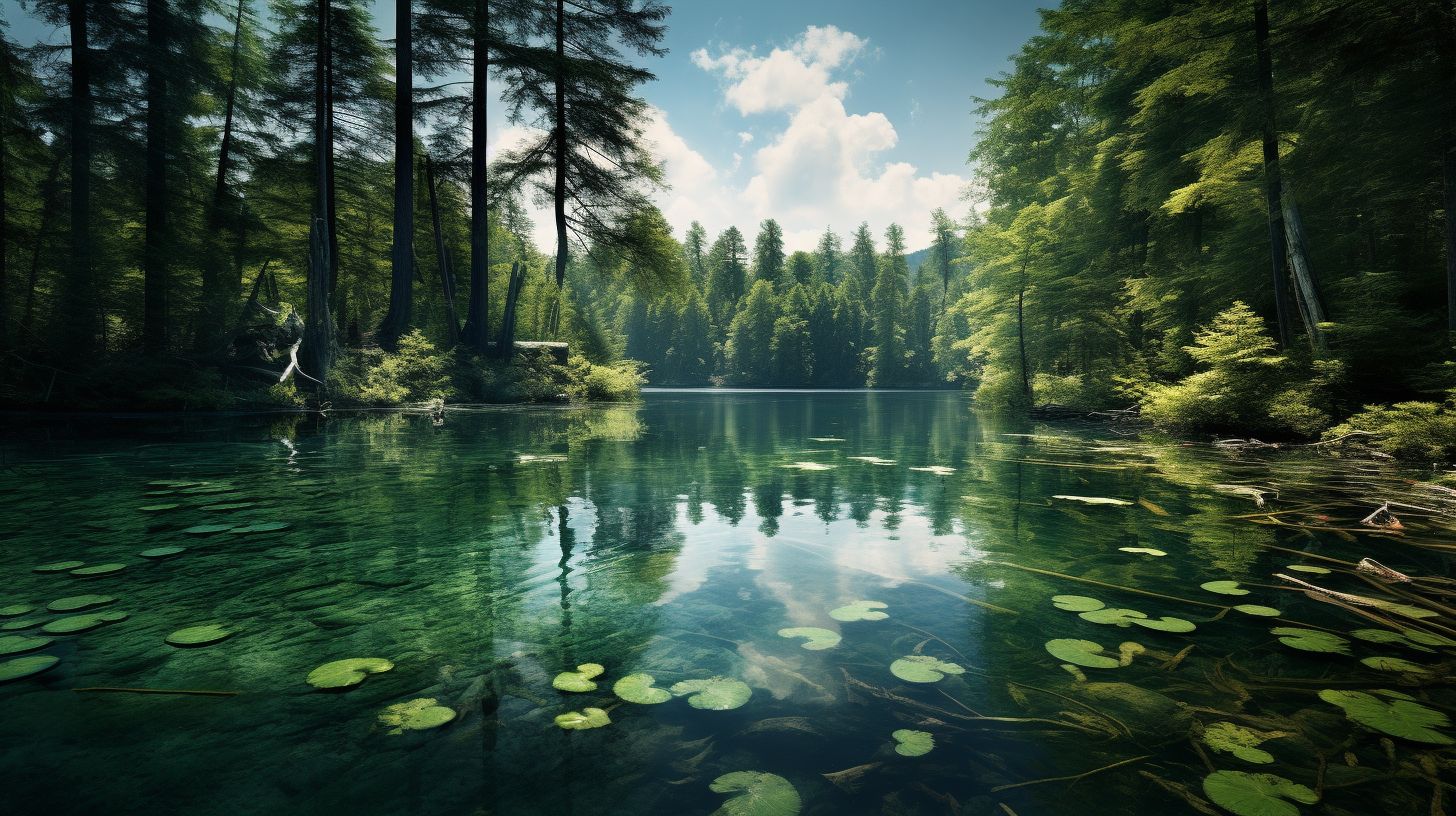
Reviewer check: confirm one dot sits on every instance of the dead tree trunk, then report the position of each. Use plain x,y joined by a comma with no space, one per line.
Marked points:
1306,286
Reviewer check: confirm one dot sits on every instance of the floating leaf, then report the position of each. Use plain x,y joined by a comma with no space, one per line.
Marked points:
72,624
816,639
1153,551
99,569
1080,653
1127,651
1114,616
582,720
1076,603
923,669
860,610
1415,612
809,466
639,688
59,566
1394,664
1249,794
1312,570
1400,717
825,439
1167,624
1242,742
1427,638
161,552
348,672
205,635
26,666
15,644
1095,500
12,625
715,693
262,527
1387,636
1258,611
913,743
1224,587
938,470
75,603
158,508
1311,640
14,610
208,529
415,715
759,794
229,506
579,680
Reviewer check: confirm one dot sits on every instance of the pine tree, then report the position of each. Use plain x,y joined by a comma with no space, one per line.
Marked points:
749,349
887,366
727,278
768,252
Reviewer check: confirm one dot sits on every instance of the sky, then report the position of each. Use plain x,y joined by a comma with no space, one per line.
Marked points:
817,113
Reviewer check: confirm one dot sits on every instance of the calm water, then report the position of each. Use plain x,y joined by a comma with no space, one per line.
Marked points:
676,538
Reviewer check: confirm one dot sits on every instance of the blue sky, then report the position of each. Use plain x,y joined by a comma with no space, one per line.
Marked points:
815,112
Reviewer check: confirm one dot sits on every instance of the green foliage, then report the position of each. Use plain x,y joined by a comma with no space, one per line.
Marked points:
417,372
1424,431
594,382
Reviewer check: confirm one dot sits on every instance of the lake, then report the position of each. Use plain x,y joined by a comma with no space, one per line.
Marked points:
677,538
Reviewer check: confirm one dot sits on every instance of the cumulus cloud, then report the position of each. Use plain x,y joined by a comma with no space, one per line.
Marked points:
787,77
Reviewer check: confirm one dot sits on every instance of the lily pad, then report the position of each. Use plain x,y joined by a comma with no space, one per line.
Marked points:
26,666
415,715
714,694
1224,587
204,635
1257,610
1399,717
75,603
1166,624
15,610
99,569
161,552
1080,653
1251,794
15,644
815,639
1076,603
860,610
158,508
1114,616
1153,551
923,669
59,566
73,624
347,673
1394,664
1427,638
638,688
208,529
1387,636
1309,568
1311,640
227,507
21,623
262,527
584,719
579,680
758,794
1228,738
913,743
1095,500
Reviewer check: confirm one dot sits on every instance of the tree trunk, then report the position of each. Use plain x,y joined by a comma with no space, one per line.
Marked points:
1021,327
331,135
155,244
77,308
442,260
1272,178
477,313
316,355
47,215
401,282
5,92
559,143
1306,286
218,292
1448,158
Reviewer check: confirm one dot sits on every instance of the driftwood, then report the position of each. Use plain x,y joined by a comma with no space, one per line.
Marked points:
1381,572
294,366
1382,518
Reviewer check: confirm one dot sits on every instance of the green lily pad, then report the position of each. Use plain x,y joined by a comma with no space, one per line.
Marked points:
99,569
1312,570
204,635
1428,638
59,566
1311,640
26,666
1394,664
72,624
227,507
161,552
21,623
923,669
1228,738
1095,500
1153,551
1080,653
262,527
15,644
75,603
584,719
1386,636
158,508
1166,624
347,673
415,715
913,743
15,610
758,794
1257,610
1113,616
860,610
579,680
638,688
1400,717
1224,587
714,694
207,489
1250,794
208,529
1076,603
1406,610
815,639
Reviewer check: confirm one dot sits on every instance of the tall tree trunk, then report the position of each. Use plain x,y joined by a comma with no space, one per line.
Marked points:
559,143
442,259
1306,285
155,244
5,93
331,197
217,289
1021,327
316,355
477,313
77,310
1272,178
1448,159
401,282
47,215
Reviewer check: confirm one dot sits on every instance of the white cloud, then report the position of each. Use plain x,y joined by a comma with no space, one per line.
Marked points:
744,137
787,77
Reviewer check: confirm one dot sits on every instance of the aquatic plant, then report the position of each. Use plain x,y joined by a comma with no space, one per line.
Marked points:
582,720
757,794
913,743
815,639
415,715
923,669
860,611
638,688
579,680
1251,794
347,673
714,694
1399,715
1080,653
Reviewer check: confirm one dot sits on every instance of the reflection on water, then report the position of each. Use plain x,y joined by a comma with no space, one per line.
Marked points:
674,538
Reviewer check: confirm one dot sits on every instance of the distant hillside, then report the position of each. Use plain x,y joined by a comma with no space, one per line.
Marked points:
915,259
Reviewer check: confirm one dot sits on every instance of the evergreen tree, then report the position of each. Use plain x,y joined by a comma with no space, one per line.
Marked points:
768,252
887,365
862,259
827,258
801,268
749,351
727,278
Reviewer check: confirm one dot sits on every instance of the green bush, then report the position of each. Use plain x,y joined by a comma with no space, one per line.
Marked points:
416,372
596,382
1409,430
1000,390
530,377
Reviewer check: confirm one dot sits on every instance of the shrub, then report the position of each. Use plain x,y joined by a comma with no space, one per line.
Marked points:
1409,430
416,372
596,382
1000,390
